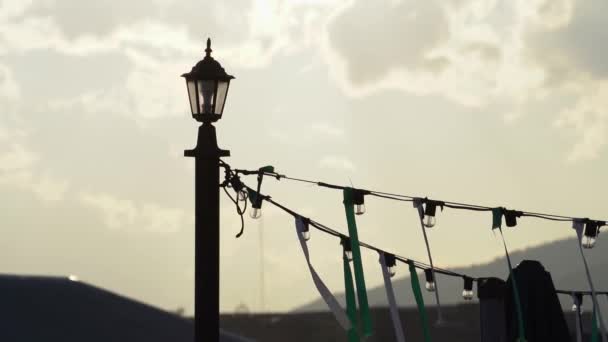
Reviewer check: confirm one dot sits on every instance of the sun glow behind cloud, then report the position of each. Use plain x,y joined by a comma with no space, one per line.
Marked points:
392,93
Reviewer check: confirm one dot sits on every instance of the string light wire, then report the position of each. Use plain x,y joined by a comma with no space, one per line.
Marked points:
407,198
392,196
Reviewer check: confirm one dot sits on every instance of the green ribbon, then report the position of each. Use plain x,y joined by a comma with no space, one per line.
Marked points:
496,218
351,304
594,329
253,195
419,302
359,277
267,169
520,320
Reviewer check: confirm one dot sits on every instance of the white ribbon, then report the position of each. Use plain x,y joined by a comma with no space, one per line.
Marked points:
418,205
390,295
327,296
579,225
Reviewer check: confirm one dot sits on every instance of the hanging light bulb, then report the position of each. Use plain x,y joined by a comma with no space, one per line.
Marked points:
305,229
255,213
590,235
242,195
206,90
359,209
359,201
430,281
391,264
429,221
256,203
241,191
588,241
255,197
348,251
467,292
429,214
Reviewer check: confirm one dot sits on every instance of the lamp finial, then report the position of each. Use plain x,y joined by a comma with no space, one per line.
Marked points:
208,49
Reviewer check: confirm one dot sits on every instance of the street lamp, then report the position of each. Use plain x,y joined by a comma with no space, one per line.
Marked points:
207,84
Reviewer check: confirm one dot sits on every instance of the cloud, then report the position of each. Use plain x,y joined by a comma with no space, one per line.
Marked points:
588,119
154,88
51,75
337,163
98,18
328,130
9,89
569,50
249,32
121,213
117,213
448,48
19,164
159,219
16,157
395,35
17,169
481,53
48,188
561,38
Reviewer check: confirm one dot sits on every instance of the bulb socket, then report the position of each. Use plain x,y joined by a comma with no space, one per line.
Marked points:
468,283
390,260
305,227
358,197
578,299
591,228
236,183
346,246
428,274
511,217
255,199
430,208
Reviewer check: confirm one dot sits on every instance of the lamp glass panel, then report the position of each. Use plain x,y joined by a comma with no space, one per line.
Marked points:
222,91
192,95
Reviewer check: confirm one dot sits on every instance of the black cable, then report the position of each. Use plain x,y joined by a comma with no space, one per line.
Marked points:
335,233
585,293
390,197
401,197
454,206
556,218
239,211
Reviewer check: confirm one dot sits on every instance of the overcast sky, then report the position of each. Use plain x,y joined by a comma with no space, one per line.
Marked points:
479,101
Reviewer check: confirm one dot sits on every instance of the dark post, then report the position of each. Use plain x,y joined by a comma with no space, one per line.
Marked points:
207,84
207,234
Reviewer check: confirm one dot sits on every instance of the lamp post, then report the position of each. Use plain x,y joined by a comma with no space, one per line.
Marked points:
207,84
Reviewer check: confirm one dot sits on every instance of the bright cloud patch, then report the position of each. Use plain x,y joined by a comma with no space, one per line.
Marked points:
121,213
455,50
575,63
481,53
337,163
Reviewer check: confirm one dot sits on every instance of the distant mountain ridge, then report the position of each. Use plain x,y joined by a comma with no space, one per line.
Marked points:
561,258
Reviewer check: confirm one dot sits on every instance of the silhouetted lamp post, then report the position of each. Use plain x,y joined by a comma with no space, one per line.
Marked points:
207,85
